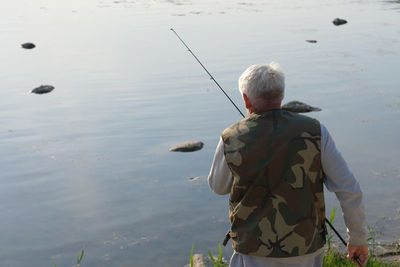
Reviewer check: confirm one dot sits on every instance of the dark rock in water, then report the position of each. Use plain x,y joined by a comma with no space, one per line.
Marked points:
311,41
188,146
299,107
28,45
338,21
43,89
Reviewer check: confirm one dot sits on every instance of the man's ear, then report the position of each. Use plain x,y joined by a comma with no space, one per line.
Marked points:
247,102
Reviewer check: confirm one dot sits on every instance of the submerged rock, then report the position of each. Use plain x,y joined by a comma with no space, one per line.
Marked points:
43,89
299,107
338,21
28,45
188,146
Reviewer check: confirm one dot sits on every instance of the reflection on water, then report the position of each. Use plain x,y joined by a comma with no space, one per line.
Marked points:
87,165
392,3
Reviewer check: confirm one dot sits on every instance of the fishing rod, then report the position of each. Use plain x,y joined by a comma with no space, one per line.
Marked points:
212,78
344,242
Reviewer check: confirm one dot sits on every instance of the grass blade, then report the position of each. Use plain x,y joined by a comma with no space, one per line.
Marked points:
212,258
191,256
332,218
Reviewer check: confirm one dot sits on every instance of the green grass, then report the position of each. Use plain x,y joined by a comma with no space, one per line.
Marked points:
79,259
330,234
218,262
332,258
335,258
191,256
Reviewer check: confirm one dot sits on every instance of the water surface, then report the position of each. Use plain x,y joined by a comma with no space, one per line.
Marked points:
87,166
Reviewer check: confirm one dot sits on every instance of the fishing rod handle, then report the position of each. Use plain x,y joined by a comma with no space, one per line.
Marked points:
356,258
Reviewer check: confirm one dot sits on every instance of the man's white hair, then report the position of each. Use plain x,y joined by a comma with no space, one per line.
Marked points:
262,83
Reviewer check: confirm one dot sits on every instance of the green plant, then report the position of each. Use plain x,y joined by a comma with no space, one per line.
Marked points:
218,262
191,256
80,257
335,258
372,240
330,236
79,260
372,233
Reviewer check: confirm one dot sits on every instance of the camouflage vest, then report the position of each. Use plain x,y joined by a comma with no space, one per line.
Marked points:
276,205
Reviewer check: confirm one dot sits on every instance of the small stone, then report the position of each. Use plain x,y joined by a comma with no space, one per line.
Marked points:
338,21
188,146
299,107
311,41
43,89
28,45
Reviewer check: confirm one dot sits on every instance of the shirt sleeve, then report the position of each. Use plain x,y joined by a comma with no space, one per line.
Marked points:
340,180
220,177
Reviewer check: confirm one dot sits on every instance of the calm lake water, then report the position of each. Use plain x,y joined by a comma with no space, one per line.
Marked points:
87,166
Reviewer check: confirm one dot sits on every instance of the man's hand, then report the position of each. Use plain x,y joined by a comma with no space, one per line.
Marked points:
360,251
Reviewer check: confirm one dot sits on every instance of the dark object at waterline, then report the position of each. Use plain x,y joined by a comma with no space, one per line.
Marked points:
28,45
338,21
311,41
43,89
189,146
299,107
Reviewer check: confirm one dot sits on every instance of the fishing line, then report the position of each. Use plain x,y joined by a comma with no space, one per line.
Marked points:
212,78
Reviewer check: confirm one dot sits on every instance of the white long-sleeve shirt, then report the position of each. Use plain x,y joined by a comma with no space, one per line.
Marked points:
339,179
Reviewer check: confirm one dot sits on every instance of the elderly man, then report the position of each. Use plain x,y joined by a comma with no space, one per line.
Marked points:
274,164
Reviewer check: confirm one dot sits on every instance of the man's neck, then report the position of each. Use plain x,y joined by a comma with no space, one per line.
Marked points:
267,107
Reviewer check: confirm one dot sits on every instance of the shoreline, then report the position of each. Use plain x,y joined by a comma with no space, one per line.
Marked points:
331,257
388,252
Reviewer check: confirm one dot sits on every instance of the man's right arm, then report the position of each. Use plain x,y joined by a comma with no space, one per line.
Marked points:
220,177
341,181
